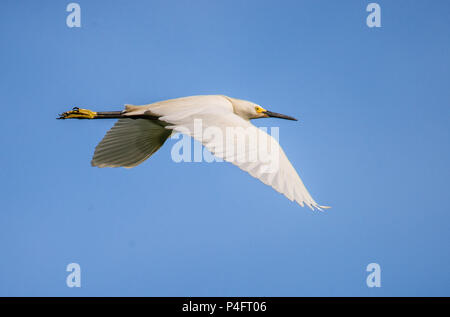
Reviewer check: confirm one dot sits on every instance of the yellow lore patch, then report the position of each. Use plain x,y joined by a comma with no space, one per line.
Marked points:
260,109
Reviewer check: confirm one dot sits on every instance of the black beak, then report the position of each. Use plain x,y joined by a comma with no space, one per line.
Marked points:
278,115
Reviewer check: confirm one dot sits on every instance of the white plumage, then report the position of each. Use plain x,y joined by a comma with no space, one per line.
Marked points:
141,131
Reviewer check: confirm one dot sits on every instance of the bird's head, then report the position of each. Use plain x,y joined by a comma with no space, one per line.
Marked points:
249,110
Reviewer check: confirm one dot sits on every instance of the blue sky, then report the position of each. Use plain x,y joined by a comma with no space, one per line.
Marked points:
372,142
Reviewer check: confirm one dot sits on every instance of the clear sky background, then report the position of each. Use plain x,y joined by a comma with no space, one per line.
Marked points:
372,142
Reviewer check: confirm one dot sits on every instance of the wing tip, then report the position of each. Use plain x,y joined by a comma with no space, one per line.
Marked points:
313,206
319,207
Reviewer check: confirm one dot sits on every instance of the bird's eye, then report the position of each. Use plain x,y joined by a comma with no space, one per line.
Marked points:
259,109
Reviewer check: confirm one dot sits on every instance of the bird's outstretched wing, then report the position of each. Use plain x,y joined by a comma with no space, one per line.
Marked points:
263,158
129,143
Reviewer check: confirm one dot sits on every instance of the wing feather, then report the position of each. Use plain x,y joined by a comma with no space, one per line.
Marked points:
129,143
283,178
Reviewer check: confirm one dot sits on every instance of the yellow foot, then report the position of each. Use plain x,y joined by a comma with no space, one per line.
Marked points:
77,113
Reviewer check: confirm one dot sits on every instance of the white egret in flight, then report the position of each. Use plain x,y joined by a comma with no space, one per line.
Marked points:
142,130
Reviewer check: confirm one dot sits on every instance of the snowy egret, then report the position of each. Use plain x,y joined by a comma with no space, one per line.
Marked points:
142,130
